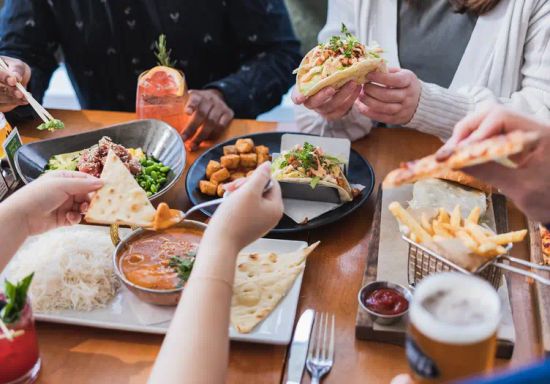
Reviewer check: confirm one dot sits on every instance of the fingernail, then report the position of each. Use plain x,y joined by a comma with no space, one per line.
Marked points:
189,111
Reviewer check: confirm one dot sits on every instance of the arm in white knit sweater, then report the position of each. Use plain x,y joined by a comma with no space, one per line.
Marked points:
439,109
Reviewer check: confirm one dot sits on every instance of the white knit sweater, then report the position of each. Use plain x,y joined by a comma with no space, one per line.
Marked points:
507,61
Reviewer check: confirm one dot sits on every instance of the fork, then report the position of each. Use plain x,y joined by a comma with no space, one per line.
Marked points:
320,356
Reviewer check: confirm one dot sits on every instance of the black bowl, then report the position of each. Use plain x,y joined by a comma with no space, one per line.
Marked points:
155,137
359,172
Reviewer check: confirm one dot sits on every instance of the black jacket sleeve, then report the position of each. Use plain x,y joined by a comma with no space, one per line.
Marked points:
27,32
269,50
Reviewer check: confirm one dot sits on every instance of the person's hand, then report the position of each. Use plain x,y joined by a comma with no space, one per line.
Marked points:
526,185
247,213
56,199
208,114
390,98
10,96
330,103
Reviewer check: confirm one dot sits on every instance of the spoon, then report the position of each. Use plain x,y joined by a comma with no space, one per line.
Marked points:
166,217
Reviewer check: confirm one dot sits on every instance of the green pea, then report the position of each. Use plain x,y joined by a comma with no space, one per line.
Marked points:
165,169
154,188
149,194
150,162
142,184
162,180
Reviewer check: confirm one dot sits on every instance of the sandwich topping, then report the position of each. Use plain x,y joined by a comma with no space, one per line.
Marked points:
339,53
309,161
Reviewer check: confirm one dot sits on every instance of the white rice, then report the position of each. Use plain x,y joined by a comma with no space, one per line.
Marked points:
73,269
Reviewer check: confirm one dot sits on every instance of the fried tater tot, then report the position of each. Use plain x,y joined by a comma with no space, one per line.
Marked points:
230,150
262,149
236,175
213,166
220,176
208,188
230,161
221,190
245,145
263,157
249,160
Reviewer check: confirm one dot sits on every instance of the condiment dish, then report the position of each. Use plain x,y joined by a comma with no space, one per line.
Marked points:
380,318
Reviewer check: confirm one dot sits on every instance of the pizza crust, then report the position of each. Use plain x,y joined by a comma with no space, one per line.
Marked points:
497,148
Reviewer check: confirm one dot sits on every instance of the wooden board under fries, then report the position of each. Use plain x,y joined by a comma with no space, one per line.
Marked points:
395,334
542,293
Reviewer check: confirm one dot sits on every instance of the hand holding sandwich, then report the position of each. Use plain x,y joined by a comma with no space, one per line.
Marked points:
390,98
526,185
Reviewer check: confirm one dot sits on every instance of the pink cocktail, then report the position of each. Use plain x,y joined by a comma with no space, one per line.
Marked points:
19,358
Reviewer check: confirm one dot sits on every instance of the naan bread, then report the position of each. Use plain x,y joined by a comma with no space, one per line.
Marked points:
121,200
497,148
261,281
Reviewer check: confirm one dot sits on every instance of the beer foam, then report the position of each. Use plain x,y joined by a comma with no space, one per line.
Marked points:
455,308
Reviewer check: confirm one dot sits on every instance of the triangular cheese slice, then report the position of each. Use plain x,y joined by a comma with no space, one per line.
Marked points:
121,200
261,281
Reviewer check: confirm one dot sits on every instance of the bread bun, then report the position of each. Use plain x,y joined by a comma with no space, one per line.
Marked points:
465,179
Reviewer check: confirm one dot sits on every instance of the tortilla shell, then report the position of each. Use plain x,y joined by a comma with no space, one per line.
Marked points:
261,281
357,72
345,195
121,200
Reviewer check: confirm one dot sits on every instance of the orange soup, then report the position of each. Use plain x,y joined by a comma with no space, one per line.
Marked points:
146,259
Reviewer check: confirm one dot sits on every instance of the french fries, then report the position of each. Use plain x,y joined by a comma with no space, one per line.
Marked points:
478,239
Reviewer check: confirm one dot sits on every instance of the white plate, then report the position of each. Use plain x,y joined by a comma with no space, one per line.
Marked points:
127,313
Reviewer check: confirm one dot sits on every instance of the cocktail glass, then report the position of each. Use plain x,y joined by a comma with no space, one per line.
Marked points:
19,358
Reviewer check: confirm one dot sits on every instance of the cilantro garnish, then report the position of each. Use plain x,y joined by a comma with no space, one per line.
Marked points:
182,266
16,297
347,44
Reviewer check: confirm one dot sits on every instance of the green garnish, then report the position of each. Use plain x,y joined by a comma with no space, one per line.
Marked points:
162,53
347,44
51,125
153,175
16,297
313,183
183,266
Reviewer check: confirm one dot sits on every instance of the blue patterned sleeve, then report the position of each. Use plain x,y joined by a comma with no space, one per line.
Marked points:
27,33
269,51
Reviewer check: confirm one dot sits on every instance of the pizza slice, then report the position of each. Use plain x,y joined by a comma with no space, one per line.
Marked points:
497,148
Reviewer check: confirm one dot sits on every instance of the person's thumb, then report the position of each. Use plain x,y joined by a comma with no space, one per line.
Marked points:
259,179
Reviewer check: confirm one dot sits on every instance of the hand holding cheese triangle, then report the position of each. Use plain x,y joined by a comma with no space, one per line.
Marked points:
121,200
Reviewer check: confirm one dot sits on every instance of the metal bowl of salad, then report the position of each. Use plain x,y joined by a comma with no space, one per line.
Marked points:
152,150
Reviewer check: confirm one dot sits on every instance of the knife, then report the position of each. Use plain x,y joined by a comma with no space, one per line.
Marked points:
299,347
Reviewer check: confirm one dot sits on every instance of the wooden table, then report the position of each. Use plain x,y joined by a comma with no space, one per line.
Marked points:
331,282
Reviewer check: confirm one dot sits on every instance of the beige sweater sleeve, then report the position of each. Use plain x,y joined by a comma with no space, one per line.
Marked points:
439,109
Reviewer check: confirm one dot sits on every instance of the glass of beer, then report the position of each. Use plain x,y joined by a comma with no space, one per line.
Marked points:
453,323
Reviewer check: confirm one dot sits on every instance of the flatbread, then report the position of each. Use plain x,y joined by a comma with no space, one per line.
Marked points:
261,281
357,72
345,194
121,200
497,148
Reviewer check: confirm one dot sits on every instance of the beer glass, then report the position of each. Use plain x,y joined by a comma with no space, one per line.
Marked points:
453,323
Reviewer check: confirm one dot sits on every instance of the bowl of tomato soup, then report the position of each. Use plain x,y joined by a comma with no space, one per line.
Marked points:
385,302
154,265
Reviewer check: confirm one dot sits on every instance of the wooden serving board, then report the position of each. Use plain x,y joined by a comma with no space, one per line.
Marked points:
365,329
542,292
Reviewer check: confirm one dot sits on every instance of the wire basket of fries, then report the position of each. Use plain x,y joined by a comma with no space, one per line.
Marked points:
423,262
449,242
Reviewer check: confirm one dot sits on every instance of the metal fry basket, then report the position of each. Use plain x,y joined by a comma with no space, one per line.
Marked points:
423,262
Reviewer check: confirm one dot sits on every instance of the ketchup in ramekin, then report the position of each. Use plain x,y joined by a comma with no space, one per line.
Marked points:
387,301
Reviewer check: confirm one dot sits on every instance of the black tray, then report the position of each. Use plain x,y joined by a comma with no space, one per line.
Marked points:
359,172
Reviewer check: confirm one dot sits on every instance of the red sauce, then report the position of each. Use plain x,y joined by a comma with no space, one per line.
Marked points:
387,301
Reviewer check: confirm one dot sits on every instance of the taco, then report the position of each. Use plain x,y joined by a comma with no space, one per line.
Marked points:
336,62
308,164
